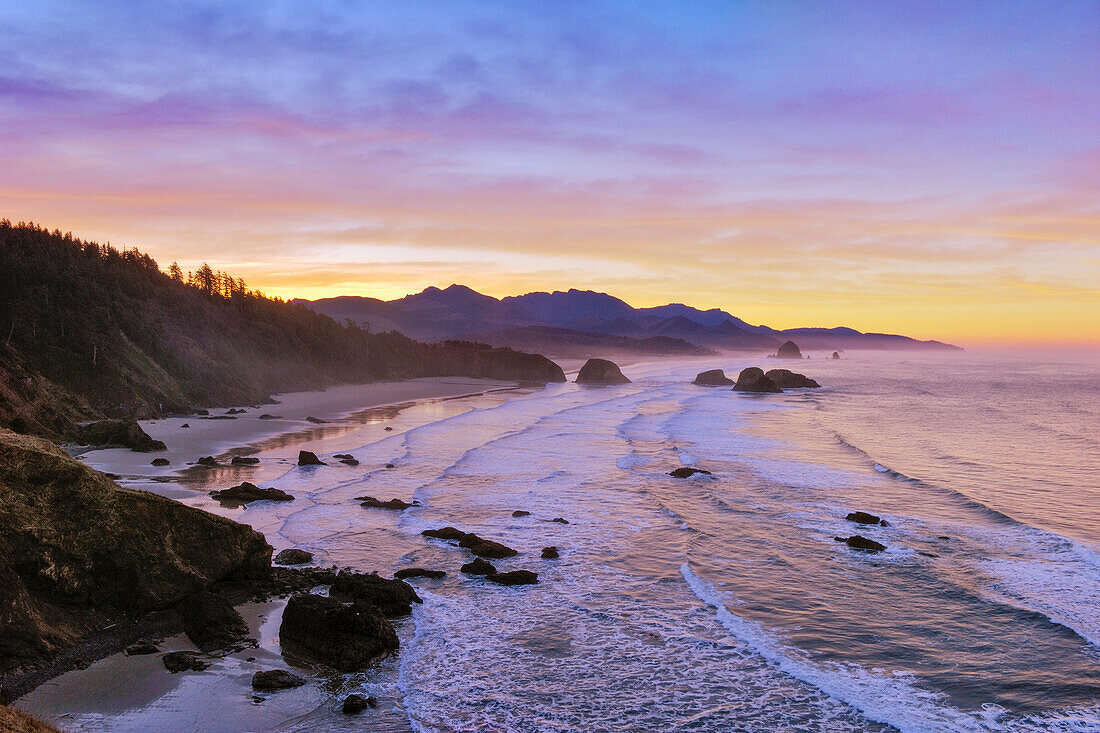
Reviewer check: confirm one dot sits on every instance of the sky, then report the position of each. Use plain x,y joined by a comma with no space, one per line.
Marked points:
926,168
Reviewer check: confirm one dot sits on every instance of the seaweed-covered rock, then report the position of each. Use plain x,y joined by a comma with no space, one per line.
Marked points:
601,371
346,637
713,378
753,379
786,379
391,597
78,553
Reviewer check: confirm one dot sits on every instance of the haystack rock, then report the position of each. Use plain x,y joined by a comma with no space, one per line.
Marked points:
601,371
786,379
788,350
836,354
753,379
713,378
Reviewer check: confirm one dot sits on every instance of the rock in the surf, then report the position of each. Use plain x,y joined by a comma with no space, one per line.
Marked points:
521,513
866,518
184,661
391,597
160,462
446,533
306,458
550,553
601,371
246,492
346,637
276,679
514,577
244,461
479,567
858,542
786,379
357,703
687,472
486,548
753,379
394,504
713,378
836,354
293,556
789,350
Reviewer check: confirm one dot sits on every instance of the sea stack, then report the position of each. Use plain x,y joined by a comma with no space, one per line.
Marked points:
836,354
753,379
786,379
601,371
713,378
788,350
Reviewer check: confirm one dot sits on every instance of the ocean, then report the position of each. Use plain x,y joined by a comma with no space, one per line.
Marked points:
713,603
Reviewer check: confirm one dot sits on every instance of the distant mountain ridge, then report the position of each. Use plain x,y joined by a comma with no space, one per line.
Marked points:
561,321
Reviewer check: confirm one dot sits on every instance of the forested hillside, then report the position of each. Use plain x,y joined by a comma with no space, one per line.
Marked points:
88,329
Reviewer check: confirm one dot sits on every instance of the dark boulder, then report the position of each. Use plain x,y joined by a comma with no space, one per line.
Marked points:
521,513
865,518
185,425
208,461
550,553
344,636
479,567
141,648
836,355
342,455
118,434
391,597
247,492
753,379
713,378
388,429
183,662
357,703
211,622
857,542
601,371
160,462
560,520
419,573
395,504
389,465
687,472
349,461
234,411
293,556
276,679
789,350
267,416
786,379
316,420
245,461
515,577
305,458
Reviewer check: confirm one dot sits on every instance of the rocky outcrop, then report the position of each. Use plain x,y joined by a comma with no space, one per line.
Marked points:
786,379
687,472
117,434
713,378
446,533
246,492
479,567
866,518
753,379
160,462
293,556
183,662
211,622
550,553
788,350
477,545
601,371
357,703
244,461
305,458
347,637
521,513
78,553
836,354
858,542
370,502
391,597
